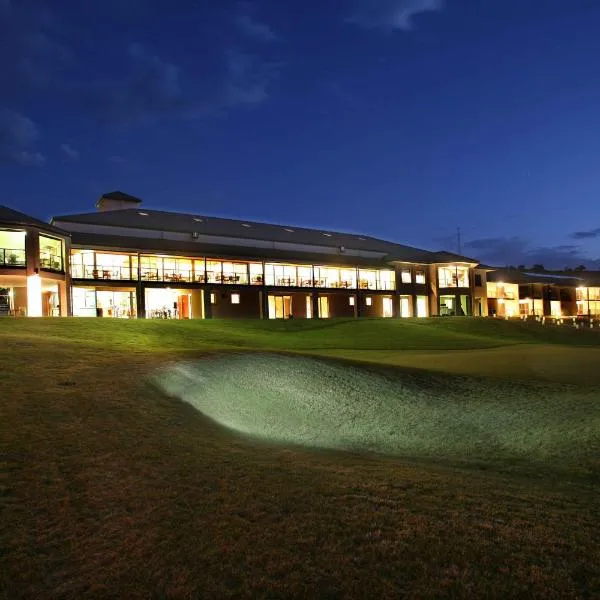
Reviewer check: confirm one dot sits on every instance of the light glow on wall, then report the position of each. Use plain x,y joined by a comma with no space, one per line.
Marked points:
34,296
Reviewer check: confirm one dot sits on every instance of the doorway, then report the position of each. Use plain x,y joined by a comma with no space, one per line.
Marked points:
280,307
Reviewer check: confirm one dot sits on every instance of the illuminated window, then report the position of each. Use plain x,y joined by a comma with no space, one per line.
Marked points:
213,298
406,276
369,300
235,298
351,300
51,253
420,277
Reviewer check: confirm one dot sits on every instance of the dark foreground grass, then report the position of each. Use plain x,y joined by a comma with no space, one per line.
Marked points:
110,489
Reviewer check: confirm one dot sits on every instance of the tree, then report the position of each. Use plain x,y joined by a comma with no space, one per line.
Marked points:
521,267
538,267
579,268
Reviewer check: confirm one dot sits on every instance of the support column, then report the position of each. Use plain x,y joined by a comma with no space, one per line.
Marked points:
315,305
359,304
207,304
140,300
263,299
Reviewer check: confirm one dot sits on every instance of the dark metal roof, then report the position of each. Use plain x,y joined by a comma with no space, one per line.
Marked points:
522,277
9,216
206,225
158,246
442,256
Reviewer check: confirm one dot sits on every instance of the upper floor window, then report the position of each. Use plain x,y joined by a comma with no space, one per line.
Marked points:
12,248
51,253
478,280
453,276
420,277
406,276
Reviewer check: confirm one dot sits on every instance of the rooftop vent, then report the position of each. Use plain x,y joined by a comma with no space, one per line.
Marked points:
288,229
198,219
195,235
142,214
327,234
246,225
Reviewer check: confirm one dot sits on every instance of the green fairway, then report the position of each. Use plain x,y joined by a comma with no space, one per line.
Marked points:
488,486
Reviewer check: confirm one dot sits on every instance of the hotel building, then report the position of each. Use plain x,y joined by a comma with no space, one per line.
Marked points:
126,261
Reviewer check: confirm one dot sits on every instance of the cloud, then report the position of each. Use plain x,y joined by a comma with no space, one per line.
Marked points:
18,135
391,14
147,89
247,79
32,58
69,152
253,28
520,251
586,235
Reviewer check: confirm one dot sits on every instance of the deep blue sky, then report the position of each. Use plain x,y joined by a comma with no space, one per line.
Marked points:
403,121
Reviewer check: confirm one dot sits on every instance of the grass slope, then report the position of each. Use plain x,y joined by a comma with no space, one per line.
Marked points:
110,489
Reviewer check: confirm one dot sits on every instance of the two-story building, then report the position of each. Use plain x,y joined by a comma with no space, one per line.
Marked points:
129,261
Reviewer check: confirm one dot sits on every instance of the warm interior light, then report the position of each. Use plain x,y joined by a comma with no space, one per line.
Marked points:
34,296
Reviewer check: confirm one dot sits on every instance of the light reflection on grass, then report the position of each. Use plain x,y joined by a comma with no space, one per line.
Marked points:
312,402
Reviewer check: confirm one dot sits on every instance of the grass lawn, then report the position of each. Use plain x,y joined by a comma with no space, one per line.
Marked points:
110,488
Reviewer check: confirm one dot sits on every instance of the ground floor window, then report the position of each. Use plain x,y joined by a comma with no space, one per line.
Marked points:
405,306
455,306
387,307
422,306
89,302
323,307
168,304
555,308
280,307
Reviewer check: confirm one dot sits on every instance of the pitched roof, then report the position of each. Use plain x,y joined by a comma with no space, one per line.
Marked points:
10,216
117,195
523,277
191,249
443,256
250,230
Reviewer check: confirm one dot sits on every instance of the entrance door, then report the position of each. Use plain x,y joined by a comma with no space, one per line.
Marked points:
388,309
280,307
405,306
323,307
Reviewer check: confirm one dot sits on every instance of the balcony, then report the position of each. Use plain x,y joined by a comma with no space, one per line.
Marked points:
51,262
169,275
12,257
100,272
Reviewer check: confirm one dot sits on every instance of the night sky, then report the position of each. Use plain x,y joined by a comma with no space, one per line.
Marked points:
403,121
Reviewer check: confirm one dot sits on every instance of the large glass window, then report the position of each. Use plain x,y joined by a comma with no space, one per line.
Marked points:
256,273
84,302
387,280
422,310
236,273
51,253
288,275
214,271
114,266
12,248
156,268
453,276
420,277
406,276
367,280
199,270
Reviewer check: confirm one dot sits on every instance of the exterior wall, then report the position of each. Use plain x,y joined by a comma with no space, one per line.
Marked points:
376,307
480,304
339,305
248,308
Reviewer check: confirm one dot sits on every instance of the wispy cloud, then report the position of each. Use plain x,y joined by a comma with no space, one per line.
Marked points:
69,153
248,78
147,89
251,26
520,251
18,135
586,235
391,14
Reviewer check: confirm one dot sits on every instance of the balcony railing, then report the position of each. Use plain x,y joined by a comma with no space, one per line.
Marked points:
12,257
100,272
173,275
51,262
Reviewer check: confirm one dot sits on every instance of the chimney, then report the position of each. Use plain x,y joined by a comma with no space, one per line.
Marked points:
117,201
